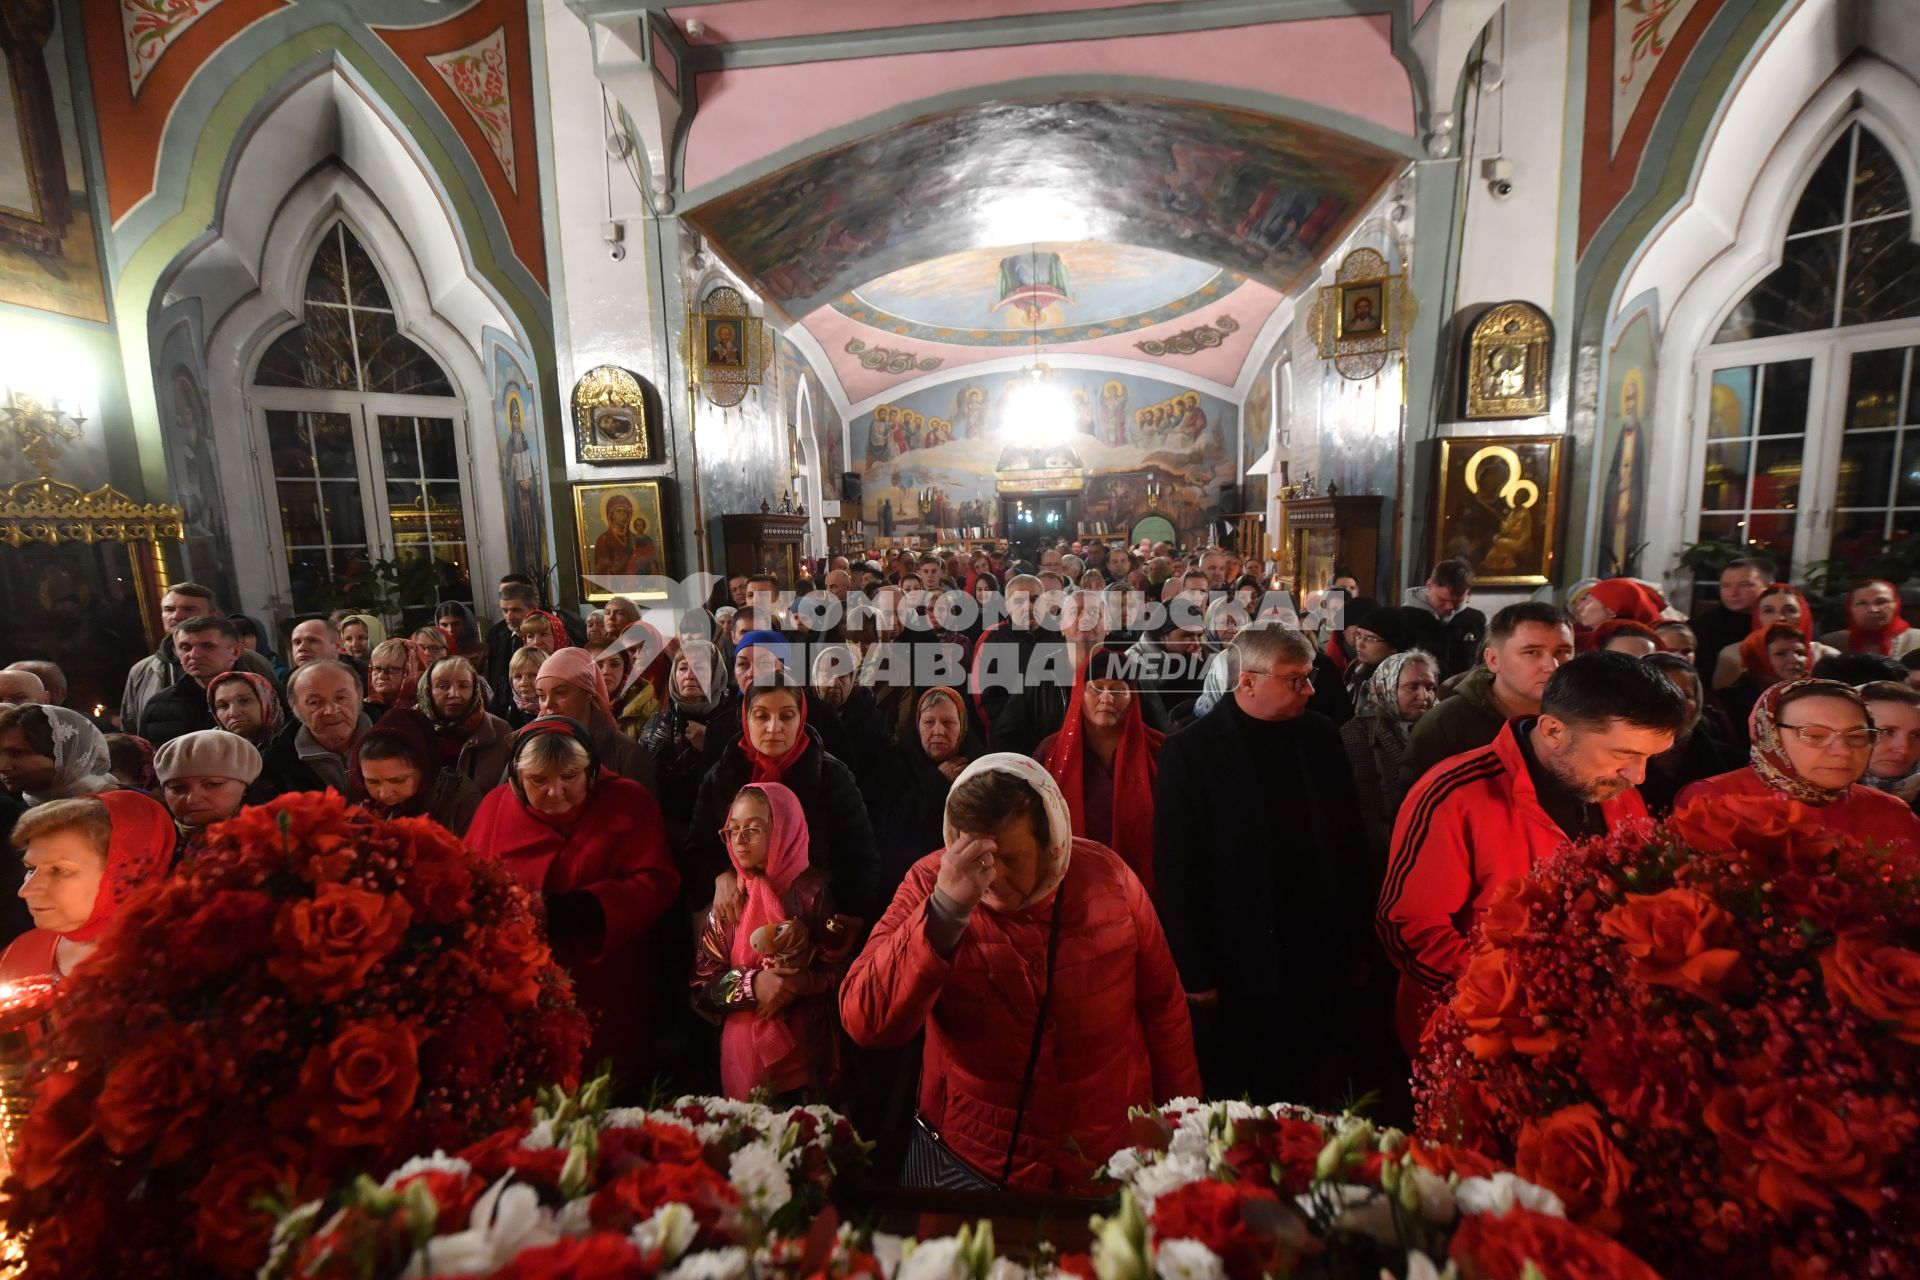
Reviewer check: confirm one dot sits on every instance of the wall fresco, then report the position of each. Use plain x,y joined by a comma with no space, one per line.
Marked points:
49,245
1623,447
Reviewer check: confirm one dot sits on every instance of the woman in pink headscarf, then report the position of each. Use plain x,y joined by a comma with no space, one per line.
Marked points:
570,685
772,979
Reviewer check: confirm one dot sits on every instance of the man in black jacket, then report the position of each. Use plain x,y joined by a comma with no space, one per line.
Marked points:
205,647
1728,622
311,753
1443,624
1265,903
517,600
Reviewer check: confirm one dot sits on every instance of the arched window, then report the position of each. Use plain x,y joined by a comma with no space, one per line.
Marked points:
365,442
1811,412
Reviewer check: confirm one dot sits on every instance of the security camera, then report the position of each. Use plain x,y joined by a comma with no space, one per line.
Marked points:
1499,175
618,252
1500,188
615,234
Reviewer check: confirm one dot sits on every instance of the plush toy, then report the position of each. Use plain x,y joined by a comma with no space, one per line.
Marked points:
787,943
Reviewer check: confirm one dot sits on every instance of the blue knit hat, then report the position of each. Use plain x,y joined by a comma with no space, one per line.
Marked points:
772,641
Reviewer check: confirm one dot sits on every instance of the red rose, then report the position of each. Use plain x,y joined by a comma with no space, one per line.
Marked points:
592,1257
511,958
1795,1149
1644,1074
439,880
1570,1154
649,1142
1671,937
355,1090
228,932
1242,1224
228,1227
1516,907
633,1197
155,1095
1771,829
1490,1000
1448,1160
57,1129
1879,980
1487,1247
330,942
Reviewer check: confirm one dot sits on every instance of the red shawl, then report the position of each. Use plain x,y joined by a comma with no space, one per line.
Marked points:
756,1050
1805,624
1860,640
138,853
1136,763
765,767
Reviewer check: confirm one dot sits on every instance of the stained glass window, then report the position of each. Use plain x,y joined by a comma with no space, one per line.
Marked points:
349,338
1848,258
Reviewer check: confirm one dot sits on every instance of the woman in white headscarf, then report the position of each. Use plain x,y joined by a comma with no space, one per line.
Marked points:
52,753
1035,964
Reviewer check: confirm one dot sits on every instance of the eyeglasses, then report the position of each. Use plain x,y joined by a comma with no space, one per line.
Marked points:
1301,682
386,671
744,831
1819,737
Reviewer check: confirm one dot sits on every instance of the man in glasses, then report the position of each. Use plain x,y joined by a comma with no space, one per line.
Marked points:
1483,818
1264,903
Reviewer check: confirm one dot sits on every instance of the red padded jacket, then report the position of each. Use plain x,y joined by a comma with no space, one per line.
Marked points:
1872,817
1472,823
1117,1034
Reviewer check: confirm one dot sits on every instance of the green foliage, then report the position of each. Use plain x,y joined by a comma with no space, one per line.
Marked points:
383,588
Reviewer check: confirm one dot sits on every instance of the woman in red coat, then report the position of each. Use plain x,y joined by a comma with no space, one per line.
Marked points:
592,845
1017,928
84,858
1812,741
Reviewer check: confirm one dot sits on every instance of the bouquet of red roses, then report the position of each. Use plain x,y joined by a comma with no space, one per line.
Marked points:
319,992
1703,1036
1234,1191
708,1189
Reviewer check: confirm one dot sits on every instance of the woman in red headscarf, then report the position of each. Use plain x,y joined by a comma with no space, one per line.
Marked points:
1812,742
1105,759
1874,624
777,745
592,845
771,978
1778,605
84,859
1613,598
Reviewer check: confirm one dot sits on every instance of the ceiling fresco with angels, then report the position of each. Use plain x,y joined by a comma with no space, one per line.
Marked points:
1237,190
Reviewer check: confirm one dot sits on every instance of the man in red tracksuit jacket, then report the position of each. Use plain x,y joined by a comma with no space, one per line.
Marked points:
1480,819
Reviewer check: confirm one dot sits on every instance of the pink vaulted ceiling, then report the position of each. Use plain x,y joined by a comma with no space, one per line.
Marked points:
1343,64
782,19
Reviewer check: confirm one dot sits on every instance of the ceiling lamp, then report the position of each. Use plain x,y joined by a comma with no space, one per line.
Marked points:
1038,410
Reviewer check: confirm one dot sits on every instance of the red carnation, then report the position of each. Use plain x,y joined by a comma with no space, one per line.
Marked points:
356,1089
1240,1223
500,1154
454,1194
649,1142
591,1257
1879,980
1448,1160
329,944
1570,1154
1279,1153
635,1195
1487,1247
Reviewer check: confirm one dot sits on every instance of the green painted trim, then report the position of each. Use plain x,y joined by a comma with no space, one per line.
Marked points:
1172,17
1566,302
1051,87
545,343
244,102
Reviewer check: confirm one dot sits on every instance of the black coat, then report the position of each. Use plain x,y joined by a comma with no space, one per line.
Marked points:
1455,643
285,771
908,799
1259,869
677,765
724,727
1021,710
1716,627
1330,697
179,709
869,735
840,837
1705,756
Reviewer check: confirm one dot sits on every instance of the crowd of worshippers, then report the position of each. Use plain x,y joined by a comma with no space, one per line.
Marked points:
989,852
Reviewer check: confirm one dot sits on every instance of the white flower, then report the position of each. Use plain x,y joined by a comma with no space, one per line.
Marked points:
1126,1162
1170,1174
539,1138
1190,1141
1187,1260
932,1260
438,1162
506,1219
1363,1211
634,1117
1421,1267
756,1172
575,1218
888,1250
711,1264
1501,1192
671,1230
284,1231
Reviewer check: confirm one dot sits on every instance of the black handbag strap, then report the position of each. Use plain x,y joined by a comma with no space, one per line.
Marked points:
1039,1032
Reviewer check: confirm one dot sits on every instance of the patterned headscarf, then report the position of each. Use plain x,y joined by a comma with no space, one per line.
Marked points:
1383,689
262,689
1769,753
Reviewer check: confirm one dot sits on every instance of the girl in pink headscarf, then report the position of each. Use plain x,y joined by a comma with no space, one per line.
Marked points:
772,980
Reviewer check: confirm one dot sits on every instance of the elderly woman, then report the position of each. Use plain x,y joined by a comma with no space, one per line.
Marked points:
205,777
777,744
771,976
1105,759
1874,624
393,676
570,685
84,859
52,753
591,844
395,773
467,738
676,737
1698,752
1812,742
433,644
1035,965
360,635
247,705
909,796
1401,689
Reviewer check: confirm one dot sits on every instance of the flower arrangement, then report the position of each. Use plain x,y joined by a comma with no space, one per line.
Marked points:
318,992
1702,1036
706,1189
1234,1191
